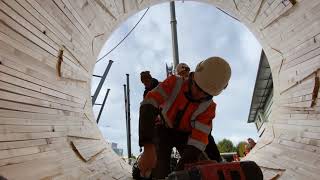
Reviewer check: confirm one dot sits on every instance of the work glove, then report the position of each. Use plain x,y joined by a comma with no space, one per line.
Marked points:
147,160
190,155
148,114
136,172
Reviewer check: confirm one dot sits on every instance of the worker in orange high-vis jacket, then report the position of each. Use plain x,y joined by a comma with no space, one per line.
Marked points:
183,70
187,112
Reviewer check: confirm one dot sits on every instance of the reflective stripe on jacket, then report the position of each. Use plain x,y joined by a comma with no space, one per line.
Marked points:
197,118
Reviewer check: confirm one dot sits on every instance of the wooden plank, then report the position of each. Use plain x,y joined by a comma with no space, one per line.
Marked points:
128,4
309,56
24,128
284,165
35,109
300,122
50,18
111,6
120,7
65,128
290,154
21,144
18,152
307,141
29,72
300,51
266,10
37,169
47,23
295,23
26,158
311,135
106,9
88,148
288,157
38,12
303,87
24,45
97,24
27,136
53,10
254,8
19,24
82,8
19,90
77,17
40,135
17,98
296,75
306,13
309,68
290,100
18,43
71,173
84,143
293,128
31,85
277,13
302,128
84,54
72,20
297,38
39,116
41,55
299,104
26,15
39,122
108,20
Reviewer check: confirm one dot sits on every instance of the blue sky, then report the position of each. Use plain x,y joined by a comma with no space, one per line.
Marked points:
203,31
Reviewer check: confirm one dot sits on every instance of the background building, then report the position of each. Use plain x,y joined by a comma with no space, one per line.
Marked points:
117,150
261,102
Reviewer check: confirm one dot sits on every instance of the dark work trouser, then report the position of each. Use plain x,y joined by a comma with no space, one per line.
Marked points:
212,150
167,139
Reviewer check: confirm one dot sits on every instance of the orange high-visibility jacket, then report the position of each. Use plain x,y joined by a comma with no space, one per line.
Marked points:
197,118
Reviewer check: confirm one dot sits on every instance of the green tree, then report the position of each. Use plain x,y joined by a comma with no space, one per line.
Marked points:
241,147
225,145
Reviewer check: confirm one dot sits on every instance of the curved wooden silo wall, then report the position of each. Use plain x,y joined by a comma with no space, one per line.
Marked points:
47,127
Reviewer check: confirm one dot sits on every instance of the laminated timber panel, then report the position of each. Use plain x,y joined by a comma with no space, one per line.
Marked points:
43,117
85,148
13,76
31,73
74,50
300,94
100,26
26,29
249,10
28,50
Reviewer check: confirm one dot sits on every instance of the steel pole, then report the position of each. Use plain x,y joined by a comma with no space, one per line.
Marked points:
174,35
103,78
126,112
129,119
102,106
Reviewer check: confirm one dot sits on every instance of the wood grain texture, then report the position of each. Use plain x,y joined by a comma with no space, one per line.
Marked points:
47,127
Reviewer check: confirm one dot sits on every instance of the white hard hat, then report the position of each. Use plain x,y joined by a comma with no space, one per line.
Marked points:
212,75
181,67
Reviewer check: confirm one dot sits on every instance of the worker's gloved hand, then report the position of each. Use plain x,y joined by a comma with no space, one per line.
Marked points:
148,114
190,155
148,160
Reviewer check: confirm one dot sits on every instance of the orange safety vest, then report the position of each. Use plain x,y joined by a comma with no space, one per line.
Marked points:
197,117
